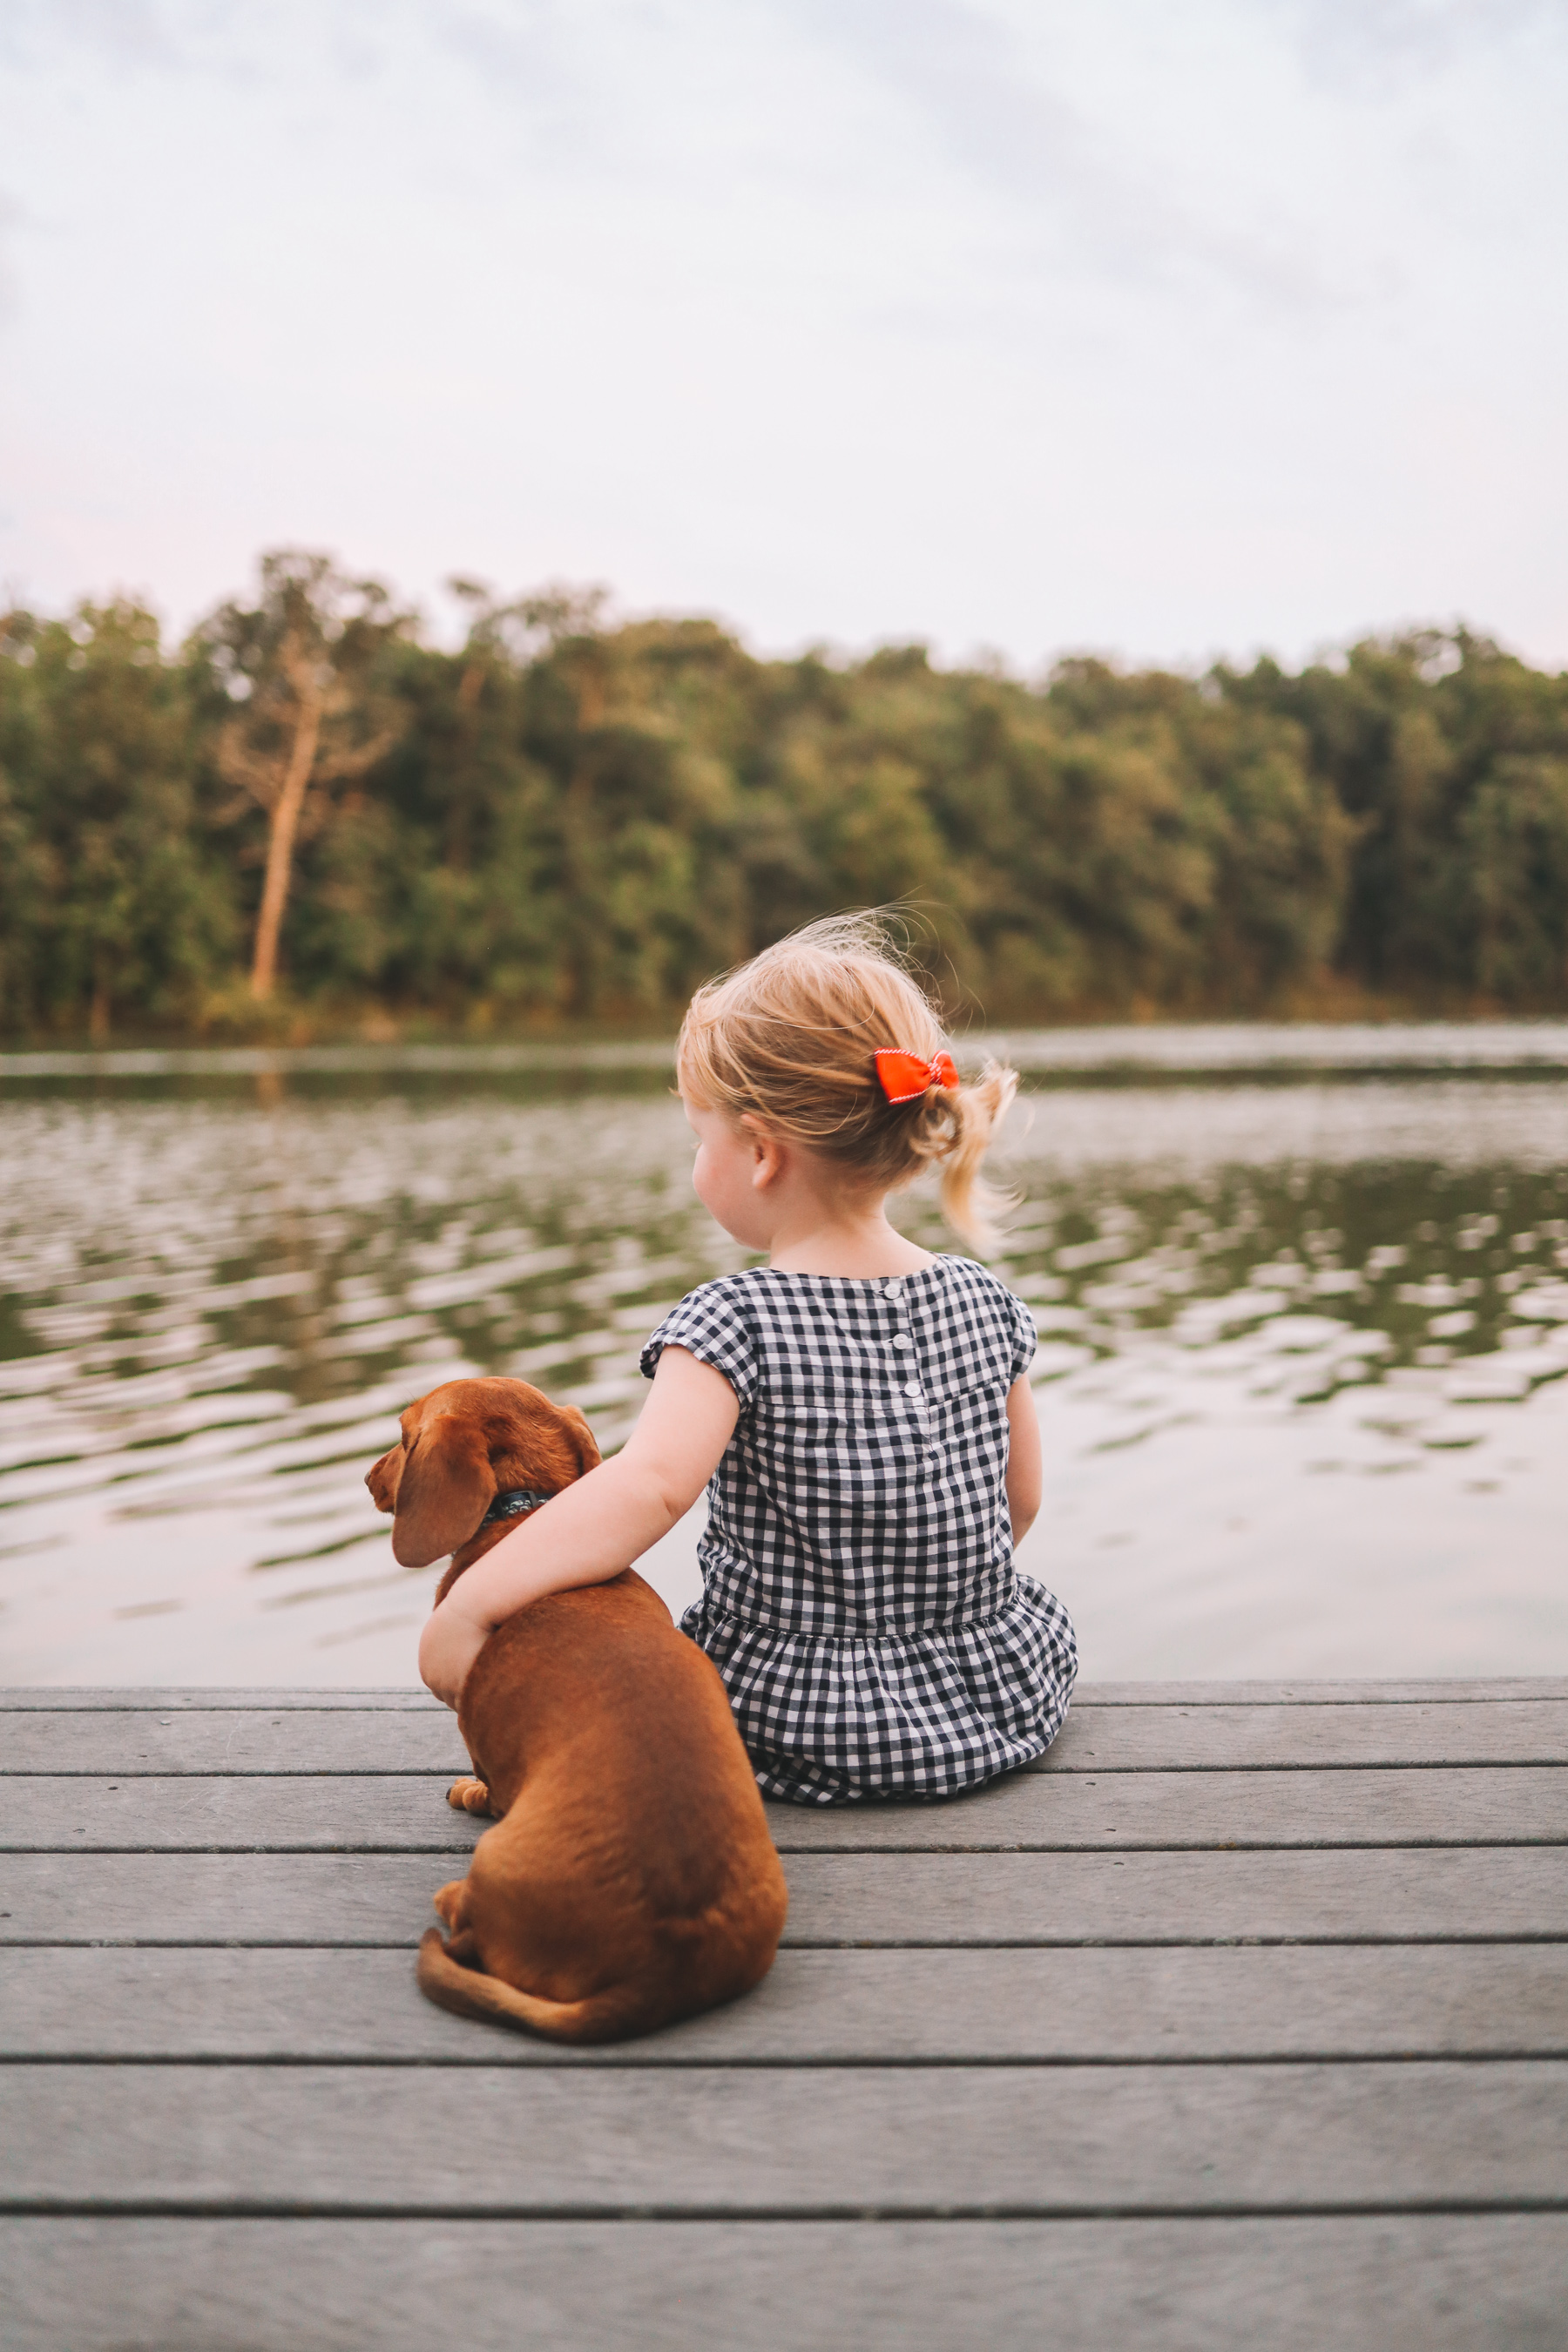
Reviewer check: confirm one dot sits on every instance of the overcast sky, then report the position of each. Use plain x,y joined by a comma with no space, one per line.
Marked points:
1162,326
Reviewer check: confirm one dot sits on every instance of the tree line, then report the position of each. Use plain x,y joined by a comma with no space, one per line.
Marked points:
308,817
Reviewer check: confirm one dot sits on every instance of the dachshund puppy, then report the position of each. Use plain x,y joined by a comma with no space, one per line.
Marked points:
630,1879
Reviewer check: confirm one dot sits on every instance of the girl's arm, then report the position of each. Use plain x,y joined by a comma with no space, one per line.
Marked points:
1026,1476
590,1530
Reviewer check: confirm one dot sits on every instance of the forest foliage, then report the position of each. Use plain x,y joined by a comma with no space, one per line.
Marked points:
572,817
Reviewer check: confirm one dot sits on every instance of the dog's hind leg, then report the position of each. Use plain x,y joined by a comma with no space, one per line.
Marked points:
469,1796
451,1902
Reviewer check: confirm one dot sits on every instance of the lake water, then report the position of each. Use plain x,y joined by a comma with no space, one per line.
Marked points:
1301,1371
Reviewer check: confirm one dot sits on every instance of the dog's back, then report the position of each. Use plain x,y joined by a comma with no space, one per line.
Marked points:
631,1880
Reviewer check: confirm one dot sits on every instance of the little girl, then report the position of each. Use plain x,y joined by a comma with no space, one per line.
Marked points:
857,1408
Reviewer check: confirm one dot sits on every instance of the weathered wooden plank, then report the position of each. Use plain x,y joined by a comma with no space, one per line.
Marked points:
821,2008
1447,2283
1516,1805
1214,1739
1068,1810
1441,1895
383,1813
1406,2284
338,1899
1452,1690
1310,1896
826,2142
1094,1739
114,1698
275,1741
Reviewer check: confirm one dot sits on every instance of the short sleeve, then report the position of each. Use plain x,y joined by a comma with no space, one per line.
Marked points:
712,1325
1026,1338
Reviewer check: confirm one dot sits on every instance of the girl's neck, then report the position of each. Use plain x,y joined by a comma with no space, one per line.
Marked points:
855,1241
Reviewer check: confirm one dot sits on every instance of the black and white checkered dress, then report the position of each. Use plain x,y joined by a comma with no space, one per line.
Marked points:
859,1596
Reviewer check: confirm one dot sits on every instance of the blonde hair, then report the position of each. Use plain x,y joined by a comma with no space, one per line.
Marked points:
790,1040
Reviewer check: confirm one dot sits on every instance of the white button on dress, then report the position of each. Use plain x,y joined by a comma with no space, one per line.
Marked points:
859,1596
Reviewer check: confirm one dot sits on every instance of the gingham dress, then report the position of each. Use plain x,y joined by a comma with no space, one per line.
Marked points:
860,1597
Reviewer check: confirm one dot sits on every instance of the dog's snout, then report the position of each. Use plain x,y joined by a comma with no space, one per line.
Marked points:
382,1479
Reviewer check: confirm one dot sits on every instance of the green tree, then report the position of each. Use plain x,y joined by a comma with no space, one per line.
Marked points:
570,816
304,666
112,905
1514,832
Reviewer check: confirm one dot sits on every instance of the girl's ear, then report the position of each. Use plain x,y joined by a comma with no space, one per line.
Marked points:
768,1154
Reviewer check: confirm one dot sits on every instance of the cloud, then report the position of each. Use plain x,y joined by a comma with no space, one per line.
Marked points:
215,37
514,45
1380,48
547,60
1005,130
524,49
126,32
12,218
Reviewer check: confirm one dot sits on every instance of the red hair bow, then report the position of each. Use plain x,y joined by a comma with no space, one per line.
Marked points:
904,1078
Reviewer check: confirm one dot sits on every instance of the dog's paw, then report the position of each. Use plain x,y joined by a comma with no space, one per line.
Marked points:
469,1797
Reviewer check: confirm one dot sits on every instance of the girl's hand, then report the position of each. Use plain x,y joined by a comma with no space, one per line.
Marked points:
448,1647
594,1529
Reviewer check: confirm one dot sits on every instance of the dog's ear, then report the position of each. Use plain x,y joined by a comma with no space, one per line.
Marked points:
446,1487
579,1437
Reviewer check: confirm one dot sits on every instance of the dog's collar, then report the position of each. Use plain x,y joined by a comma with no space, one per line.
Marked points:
513,1504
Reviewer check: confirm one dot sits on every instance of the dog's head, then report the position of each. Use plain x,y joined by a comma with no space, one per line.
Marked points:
463,1445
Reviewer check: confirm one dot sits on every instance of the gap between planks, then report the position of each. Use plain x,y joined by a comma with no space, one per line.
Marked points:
1357,1691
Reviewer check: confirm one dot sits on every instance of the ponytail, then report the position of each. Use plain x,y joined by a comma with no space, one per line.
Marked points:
954,1131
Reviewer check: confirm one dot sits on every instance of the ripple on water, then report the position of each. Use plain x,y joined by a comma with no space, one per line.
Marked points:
1300,1371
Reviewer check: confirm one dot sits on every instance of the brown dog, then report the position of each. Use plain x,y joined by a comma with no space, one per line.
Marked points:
631,1879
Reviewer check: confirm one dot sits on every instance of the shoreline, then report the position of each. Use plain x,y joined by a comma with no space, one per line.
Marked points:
1219,1047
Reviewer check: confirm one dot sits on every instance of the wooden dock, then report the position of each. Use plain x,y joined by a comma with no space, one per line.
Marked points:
1244,2023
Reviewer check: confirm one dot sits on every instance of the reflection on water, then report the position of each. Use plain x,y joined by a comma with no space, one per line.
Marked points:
1299,1374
